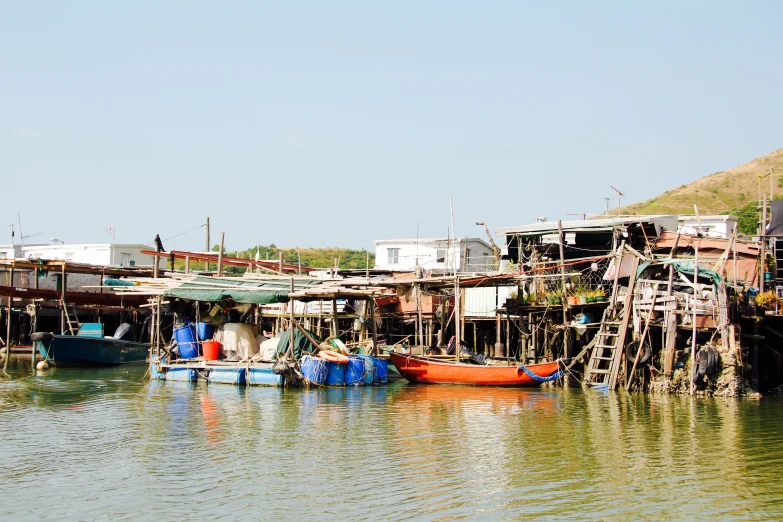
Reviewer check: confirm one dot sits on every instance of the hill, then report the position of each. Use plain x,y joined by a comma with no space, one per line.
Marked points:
733,191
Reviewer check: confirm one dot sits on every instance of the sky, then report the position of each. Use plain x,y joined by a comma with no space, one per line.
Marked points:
321,124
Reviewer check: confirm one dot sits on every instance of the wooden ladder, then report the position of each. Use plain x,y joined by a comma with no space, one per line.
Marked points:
73,323
604,364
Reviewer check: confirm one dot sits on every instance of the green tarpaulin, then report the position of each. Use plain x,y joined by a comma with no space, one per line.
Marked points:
256,291
684,267
301,344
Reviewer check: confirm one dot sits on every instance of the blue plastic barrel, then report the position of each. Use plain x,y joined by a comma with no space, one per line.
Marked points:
314,369
354,372
182,374
186,340
336,374
264,377
204,331
369,368
235,376
381,371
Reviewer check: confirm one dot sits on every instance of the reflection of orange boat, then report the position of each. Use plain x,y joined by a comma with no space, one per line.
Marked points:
420,369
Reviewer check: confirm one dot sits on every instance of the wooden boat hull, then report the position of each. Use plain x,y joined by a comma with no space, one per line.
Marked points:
419,369
74,350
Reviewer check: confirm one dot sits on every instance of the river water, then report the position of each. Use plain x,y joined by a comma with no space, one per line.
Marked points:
85,444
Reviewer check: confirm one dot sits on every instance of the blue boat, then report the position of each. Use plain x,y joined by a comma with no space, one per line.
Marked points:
89,347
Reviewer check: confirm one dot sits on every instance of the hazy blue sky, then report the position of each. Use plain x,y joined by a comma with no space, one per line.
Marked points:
336,123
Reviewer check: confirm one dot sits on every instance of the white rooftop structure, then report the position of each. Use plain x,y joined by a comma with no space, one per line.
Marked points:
434,254
99,254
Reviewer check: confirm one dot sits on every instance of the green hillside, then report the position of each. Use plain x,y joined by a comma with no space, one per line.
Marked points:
733,191
313,257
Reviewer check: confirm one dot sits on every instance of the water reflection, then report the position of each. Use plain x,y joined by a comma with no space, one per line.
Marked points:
396,452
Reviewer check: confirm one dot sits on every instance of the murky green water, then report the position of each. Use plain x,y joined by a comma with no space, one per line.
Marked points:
89,444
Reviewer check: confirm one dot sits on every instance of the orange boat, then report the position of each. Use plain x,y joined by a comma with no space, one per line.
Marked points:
422,369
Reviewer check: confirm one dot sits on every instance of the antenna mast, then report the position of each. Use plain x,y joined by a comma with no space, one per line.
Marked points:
619,195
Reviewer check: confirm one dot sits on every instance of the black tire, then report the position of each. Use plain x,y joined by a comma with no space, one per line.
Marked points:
633,347
700,364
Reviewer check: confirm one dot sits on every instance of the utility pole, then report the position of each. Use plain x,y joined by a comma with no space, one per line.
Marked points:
206,249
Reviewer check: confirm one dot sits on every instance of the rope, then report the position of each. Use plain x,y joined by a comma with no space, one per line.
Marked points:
553,377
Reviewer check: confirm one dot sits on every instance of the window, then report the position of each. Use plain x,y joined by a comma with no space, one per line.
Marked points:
394,255
440,255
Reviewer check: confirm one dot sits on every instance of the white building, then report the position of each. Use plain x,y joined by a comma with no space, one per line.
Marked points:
100,254
434,255
709,226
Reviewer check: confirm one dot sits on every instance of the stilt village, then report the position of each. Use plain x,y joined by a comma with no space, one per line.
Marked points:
656,303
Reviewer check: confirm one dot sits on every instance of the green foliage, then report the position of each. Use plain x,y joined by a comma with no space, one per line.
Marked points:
748,215
313,257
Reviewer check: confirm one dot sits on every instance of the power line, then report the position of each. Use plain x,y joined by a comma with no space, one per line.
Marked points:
188,232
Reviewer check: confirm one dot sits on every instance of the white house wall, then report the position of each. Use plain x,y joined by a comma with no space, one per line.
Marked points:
484,302
426,253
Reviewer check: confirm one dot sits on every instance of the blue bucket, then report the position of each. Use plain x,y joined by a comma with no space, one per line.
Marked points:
336,374
204,331
186,340
369,368
354,372
314,369
381,371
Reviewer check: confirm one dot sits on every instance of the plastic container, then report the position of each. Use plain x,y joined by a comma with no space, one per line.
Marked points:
336,374
314,369
186,340
204,331
369,368
210,350
182,375
235,376
381,371
354,372
264,377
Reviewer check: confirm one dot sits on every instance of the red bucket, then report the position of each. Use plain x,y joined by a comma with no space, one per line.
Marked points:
210,349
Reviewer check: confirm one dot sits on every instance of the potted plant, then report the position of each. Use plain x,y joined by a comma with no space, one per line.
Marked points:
554,297
600,294
573,299
766,300
581,292
591,296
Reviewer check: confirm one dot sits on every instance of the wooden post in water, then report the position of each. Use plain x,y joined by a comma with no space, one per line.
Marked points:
419,318
291,324
371,303
157,327
508,334
762,245
457,314
498,343
220,255
335,331
564,288
8,320
63,288
693,337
